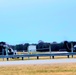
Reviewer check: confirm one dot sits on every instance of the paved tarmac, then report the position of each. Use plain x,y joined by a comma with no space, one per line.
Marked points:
28,62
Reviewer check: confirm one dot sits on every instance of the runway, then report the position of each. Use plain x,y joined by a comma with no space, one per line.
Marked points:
29,62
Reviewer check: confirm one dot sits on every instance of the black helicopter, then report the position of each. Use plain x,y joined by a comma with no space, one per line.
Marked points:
6,49
63,46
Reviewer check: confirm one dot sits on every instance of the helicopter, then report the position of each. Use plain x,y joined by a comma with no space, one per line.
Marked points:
5,49
69,46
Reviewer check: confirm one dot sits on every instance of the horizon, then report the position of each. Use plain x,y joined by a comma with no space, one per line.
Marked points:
26,21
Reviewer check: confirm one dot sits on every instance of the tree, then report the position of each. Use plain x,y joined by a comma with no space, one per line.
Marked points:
25,46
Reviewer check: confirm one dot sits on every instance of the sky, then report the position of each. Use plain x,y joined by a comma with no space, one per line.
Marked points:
28,21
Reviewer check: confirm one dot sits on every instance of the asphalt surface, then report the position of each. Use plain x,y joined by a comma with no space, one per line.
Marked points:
28,62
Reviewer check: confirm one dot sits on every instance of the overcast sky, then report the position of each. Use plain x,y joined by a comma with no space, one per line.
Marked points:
32,20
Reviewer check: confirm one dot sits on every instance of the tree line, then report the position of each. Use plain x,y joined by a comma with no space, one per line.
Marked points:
40,45
24,47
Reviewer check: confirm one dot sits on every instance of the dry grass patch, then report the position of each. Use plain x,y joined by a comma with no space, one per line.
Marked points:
53,69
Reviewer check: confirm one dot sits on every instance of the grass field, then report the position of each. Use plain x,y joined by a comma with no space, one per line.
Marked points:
49,69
